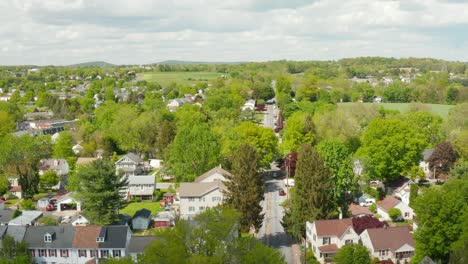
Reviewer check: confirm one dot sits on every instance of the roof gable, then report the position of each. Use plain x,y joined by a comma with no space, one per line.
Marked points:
392,238
215,170
388,203
198,189
333,227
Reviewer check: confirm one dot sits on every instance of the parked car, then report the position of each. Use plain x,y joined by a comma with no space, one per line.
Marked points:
367,202
50,207
282,192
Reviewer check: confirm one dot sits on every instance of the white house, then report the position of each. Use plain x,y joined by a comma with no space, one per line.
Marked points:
326,237
130,165
249,105
395,243
15,188
195,197
403,192
77,148
68,202
176,103
391,202
217,173
79,220
424,164
59,166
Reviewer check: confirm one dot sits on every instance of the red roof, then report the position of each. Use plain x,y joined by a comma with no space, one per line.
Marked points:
390,238
85,236
328,248
333,227
388,203
16,188
359,210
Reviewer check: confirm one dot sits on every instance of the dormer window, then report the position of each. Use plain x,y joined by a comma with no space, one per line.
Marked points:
99,239
47,237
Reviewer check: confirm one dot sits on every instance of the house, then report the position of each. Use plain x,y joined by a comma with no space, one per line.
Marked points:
49,243
424,164
77,149
38,115
27,218
141,186
195,197
5,216
394,243
67,202
326,237
164,219
141,220
358,211
156,163
217,173
79,220
130,165
176,103
403,191
15,189
59,166
138,244
16,232
358,168
249,105
392,202
84,161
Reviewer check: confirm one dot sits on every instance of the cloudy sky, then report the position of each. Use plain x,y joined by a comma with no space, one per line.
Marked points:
146,31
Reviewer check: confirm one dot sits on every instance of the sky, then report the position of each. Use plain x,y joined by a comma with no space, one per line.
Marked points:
62,32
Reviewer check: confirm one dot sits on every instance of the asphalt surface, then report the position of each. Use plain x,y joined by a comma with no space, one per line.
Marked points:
272,232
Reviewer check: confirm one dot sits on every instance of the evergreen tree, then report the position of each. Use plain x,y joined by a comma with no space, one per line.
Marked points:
99,191
245,187
312,198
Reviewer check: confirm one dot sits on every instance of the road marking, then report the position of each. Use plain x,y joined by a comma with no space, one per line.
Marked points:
267,222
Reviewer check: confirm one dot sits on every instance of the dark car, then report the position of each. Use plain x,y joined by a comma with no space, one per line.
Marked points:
282,192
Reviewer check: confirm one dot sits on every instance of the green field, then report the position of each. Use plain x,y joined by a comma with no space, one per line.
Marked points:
132,207
438,109
165,78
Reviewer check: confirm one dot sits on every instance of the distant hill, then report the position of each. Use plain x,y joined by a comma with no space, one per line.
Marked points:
93,64
179,62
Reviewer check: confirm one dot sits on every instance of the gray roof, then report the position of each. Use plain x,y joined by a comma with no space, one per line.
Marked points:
115,236
427,154
6,215
197,189
16,232
62,236
164,216
26,218
138,244
132,157
144,213
2,231
141,179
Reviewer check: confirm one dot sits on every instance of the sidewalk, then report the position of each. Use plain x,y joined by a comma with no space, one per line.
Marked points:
295,254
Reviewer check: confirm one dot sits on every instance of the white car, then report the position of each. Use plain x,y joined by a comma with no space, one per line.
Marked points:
367,202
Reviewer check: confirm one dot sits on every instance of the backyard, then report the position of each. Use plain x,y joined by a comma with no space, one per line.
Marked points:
132,207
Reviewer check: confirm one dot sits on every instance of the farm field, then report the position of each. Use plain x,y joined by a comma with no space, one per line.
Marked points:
165,78
438,109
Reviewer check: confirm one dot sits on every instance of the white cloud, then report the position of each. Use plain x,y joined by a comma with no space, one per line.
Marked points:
146,31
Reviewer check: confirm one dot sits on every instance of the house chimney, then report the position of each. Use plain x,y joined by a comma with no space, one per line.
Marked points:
341,213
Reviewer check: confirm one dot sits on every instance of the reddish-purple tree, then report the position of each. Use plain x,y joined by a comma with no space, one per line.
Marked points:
362,223
289,163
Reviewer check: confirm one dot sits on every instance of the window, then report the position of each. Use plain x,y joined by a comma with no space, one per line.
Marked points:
313,248
42,252
104,253
191,199
348,241
406,214
64,253
99,239
116,253
201,208
47,237
32,252
52,252
326,240
381,252
93,253
216,199
191,208
82,253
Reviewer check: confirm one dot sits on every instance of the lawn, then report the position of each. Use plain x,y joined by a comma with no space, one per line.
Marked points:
165,78
438,109
132,207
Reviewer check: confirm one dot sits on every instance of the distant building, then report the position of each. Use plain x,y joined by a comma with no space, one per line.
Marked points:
130,165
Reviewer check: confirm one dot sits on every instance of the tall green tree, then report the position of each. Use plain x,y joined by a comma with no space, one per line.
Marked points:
300,129
14,252
389,148
20,156
337,159
352,254
245,187
7,124
49,179
441,212
99,189
195,150
312,198
63,146
427,124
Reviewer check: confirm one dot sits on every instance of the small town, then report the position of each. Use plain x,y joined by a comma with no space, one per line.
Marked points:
245,148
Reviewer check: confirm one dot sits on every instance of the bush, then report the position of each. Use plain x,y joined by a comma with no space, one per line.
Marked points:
395,214
27,204
16,214
48,221
373,208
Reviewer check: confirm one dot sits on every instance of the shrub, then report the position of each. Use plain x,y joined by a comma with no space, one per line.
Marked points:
395,214
373,208
16,214
27,204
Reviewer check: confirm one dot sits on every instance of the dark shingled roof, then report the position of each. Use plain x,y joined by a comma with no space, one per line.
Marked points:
138,244
6,215
114,236
17,232
144,213
62,236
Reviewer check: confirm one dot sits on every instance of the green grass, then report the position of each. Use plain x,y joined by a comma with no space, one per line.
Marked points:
11,202
438,109
132,207
165,78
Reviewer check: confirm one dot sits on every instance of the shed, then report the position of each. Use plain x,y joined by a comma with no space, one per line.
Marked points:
164,219
141,220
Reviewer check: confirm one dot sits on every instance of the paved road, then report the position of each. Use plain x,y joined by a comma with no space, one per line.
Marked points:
268,117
